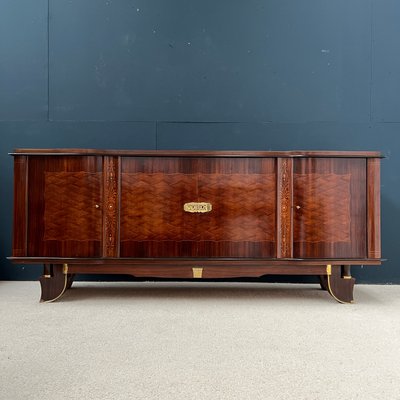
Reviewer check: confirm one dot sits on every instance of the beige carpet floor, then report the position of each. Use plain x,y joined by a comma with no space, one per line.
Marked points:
199,341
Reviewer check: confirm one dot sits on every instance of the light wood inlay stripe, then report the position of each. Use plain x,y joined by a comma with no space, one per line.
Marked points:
110,207
284,205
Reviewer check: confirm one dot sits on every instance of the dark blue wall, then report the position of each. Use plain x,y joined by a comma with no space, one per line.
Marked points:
183,74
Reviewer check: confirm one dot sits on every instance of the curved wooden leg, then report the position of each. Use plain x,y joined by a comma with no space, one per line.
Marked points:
340,283
53,282
323,281
70,280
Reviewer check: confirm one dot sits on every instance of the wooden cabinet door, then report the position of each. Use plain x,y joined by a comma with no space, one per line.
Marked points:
64,206
329,213
152,220
241,191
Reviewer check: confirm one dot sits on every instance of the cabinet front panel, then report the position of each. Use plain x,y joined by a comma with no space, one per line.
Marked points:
329,197
64,197
241,193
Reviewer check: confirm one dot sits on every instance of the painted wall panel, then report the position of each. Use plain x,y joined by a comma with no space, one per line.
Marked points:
386,61
23,60
204,61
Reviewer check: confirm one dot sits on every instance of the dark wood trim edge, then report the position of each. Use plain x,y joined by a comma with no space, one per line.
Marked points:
167,262
20,224
194,153
373,209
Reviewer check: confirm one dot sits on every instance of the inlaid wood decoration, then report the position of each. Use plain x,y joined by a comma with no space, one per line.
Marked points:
110,207
196,215
67,196
65,218
318,205
330,208
241,222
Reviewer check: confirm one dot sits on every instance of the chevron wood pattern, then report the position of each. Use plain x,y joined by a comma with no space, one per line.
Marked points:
329,208
69,211
243,207
243,214
243,217
325,203
152,207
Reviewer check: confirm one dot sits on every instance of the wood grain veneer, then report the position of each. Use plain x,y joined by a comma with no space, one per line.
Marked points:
241,224
198,153
330,208
118,211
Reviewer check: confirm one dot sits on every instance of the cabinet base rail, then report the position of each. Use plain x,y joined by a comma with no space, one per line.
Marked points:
335,279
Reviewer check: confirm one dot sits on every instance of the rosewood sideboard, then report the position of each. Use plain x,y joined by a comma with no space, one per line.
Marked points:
196,214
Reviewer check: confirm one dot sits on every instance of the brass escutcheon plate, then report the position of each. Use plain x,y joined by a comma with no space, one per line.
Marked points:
197,207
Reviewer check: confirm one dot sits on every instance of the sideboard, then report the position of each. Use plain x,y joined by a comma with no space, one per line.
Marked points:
196,214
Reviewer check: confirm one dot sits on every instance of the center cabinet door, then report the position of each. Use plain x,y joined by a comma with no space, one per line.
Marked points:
241,193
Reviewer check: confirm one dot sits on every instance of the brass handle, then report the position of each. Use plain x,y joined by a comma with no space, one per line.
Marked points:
197,207
97,206
298,207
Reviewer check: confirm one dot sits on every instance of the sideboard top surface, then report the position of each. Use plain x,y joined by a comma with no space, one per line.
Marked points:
197,153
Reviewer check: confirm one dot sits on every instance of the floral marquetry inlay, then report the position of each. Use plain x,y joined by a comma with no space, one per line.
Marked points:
111,207
285,166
